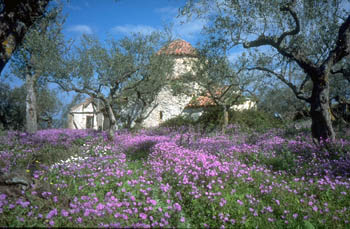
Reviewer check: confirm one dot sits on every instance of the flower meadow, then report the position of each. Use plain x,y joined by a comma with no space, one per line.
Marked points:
176,178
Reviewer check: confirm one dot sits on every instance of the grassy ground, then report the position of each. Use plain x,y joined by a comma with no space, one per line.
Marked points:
166,178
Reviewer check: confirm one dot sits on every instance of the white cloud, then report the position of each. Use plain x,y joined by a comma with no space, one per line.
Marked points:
188,30
181,28
80,29
167,11
128,29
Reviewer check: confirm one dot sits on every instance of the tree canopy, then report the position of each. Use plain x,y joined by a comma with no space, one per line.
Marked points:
311,36
120,73
13,107
39,55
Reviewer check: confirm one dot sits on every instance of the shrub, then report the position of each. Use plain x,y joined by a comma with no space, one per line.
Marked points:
254,119
212,120
177,122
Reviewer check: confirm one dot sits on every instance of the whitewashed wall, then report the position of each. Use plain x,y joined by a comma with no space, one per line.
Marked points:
168,106
244,106
183,65
78,120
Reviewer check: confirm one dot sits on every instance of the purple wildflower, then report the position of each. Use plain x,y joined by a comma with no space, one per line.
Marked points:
143,216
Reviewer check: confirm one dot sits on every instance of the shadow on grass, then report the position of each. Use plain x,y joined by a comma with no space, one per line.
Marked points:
140,152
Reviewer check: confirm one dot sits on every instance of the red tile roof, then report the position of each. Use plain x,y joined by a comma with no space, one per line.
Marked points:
205,100
178,48
201,101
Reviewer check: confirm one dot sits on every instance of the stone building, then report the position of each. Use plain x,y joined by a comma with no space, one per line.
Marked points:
165,106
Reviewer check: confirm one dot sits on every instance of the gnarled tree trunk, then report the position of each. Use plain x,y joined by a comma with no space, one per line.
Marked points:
112,122
321,127
225,123
16,18
31,106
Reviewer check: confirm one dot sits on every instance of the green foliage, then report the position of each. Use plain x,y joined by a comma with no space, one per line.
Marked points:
296,128
238,19
124,75
281,100
37,60
178,121
46,154
13,107
40,54
212,119
282,161
292,41
255,119
81,141
49,106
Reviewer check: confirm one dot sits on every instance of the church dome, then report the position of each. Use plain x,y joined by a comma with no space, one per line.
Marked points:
179,48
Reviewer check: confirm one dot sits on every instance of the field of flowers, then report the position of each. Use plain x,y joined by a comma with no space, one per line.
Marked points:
183,178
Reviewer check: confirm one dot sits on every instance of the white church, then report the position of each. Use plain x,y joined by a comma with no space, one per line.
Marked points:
89,115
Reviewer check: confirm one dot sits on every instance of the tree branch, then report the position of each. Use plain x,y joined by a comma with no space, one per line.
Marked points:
340,71
226,90
301,87
137,83
297,92
342,47
71,87
276,42
296,30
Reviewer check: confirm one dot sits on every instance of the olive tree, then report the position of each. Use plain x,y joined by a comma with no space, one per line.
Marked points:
115,71
13,107
36,59
218,81
312,35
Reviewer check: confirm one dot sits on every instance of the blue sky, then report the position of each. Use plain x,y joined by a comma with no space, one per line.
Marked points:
110,18
114,19
117,18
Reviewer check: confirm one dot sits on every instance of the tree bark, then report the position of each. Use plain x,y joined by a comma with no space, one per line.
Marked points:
31,106
225,124
112,121
16,18
321,127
